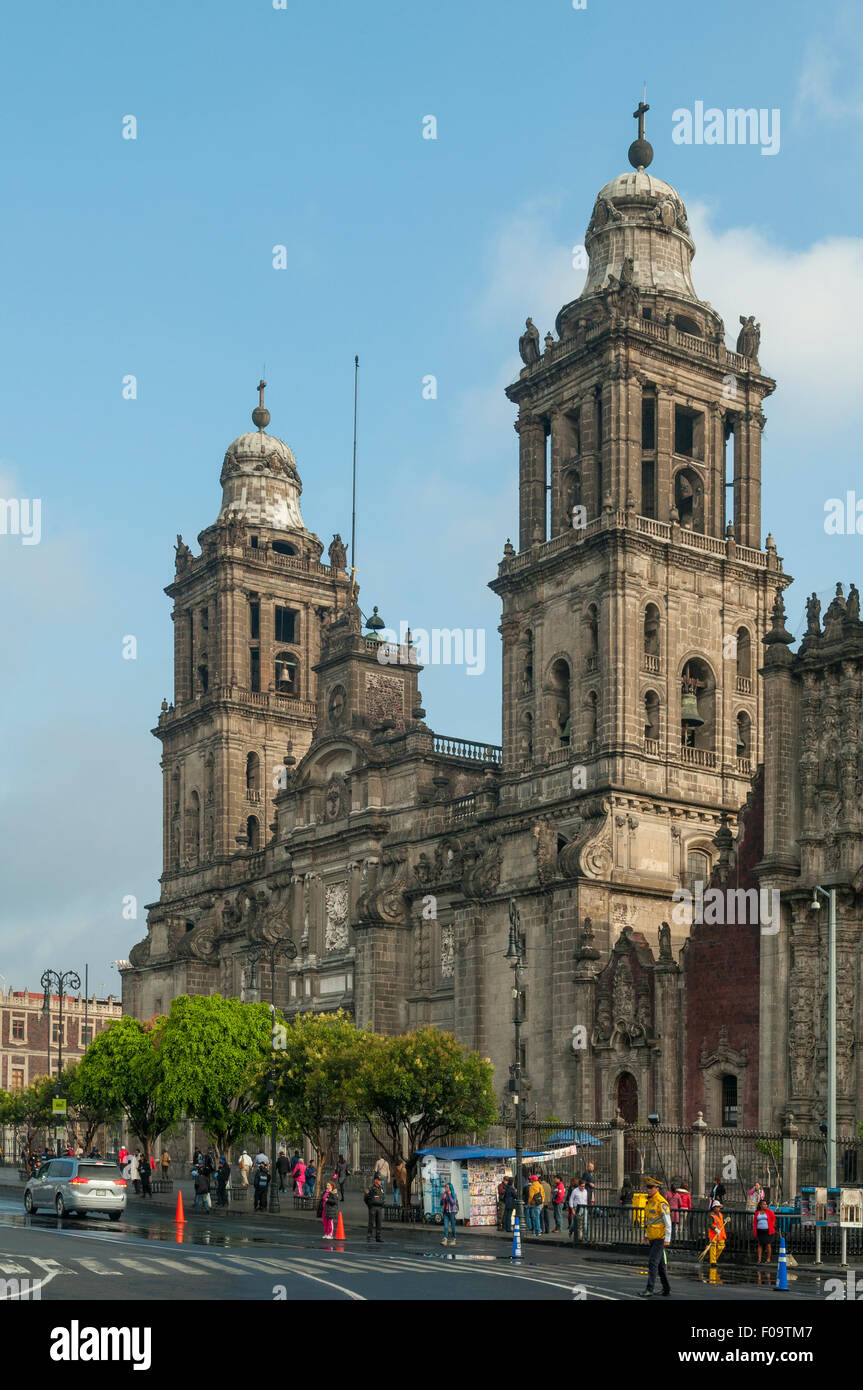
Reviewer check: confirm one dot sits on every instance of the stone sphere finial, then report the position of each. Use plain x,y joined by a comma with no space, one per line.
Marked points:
260,414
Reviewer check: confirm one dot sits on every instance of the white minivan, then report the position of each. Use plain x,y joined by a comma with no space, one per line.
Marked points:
77,1184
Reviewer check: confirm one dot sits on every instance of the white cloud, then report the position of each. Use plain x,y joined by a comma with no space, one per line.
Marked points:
829,86
808,302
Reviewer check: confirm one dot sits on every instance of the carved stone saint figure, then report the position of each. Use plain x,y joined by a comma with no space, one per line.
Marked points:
528,343
183,553
749,337
813,616
337,552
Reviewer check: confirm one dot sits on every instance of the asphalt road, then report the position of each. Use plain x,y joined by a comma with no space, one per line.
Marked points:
142,1258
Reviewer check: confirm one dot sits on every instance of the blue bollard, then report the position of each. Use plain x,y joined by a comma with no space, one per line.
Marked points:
782,1269
516,1240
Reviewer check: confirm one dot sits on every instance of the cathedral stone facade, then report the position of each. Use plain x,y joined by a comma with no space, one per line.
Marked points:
310,810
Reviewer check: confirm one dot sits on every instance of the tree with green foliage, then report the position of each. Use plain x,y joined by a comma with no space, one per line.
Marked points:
123,1067
87,1109
28,1112
426,1084
317,1078
214,1052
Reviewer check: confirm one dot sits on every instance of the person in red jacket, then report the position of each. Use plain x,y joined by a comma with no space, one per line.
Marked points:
764,1229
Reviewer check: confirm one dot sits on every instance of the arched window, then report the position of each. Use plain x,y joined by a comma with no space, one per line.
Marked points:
744,661
203,679
287,673
283,548
253,833
559,697
697,870
651,718
744,736
572,493
730,1113
697,711
527,666
253,774
689,499
651,638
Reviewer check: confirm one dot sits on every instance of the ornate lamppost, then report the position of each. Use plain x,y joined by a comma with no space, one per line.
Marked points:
52,979
515,956
269,952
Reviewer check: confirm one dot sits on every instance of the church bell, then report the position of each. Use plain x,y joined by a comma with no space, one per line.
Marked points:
689,712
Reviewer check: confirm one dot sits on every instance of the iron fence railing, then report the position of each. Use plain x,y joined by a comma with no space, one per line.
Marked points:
740,1158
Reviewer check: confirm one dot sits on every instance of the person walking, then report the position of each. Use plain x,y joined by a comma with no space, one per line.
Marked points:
202,1188
510,1202
717,1192
262,1183
131,1172
558,1194
534,1205
165,1164
245,1166
144,1171
400,1182
763,1229
341,1174
282,1168
328,1209
754,1195
657,1236
675,1206
716,1234
382,1171
311,1178
299,1176
122,1155
589,1179
545,1213
223,1178
374,1200
578,1206
449,1207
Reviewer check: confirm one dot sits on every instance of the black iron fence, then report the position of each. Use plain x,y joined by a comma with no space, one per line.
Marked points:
741,1158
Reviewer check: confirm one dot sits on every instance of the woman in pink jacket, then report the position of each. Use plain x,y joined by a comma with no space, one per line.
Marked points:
299,1176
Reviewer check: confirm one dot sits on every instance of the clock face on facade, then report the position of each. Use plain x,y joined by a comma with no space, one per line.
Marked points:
336,705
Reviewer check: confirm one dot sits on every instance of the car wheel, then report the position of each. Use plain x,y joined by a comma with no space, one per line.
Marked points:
60,1205
114,1215
28,1204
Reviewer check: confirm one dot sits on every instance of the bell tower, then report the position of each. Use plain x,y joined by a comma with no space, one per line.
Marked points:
247,616
635,606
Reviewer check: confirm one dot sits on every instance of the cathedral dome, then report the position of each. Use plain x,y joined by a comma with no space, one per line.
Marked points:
261,450
260,482
640,217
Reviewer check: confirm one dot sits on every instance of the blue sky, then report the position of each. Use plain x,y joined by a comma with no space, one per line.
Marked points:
303,127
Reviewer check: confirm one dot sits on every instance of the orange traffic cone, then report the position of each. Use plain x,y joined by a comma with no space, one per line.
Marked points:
179,1217
340,1228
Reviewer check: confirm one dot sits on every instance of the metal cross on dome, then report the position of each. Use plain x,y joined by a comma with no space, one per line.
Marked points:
638,114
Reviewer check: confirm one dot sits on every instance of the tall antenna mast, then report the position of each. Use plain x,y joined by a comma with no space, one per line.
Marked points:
354,498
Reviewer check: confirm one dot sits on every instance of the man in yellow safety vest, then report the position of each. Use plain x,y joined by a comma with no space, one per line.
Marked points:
657,1235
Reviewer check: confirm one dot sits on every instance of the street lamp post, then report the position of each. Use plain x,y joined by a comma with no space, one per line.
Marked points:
271,951
515,956
51,979
830,895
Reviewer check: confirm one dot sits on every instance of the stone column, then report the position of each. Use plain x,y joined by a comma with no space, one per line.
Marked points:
531,463
790,1134
664,451
267,642
699,1155
714,523
618,1130
589,495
